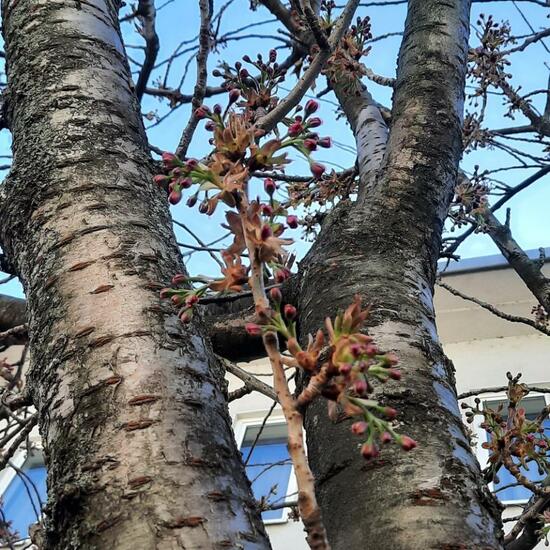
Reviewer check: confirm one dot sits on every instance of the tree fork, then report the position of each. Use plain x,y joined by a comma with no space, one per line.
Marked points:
123,393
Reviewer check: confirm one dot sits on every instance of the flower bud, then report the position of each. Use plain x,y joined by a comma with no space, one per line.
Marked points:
385,438
201,113
210,126
267,210
243,73
295,129
247,59
216,72
166,293
203,207
311,107
266,232
325,142
177,299
234,95
160,179
185,183
185,317
169,159
179,278
360,387
292,221
253,329
369,450
174,197
217,109
290,312
389,412
317,169
407,443
394,374
275,295
345,369
269,186
356,350
314,122
192,200
310,144
282,275
359,428
191,164
272,56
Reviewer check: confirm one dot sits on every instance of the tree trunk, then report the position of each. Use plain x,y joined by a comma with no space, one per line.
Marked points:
385,248
133,419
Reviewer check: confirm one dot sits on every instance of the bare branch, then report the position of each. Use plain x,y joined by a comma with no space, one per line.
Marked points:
146,14
250,382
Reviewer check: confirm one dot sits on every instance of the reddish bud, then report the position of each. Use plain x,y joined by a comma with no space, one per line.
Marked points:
160,179
191,164
179,278
177,299
243,73
253,329
185,317
311,107
185,183
192,200
282,275
345,369
166,293
275,295
247,59
174,197
314,122
234,95
385,438
325,142
310,144
394,374
217,109
390,412
210,126
266,232
191,300
371,349
267,210
359,428
369,450
356,350
272,56
169,159
295,129
290,312
201,113
360,387
292,221
317,169
203,207
269,186
407,443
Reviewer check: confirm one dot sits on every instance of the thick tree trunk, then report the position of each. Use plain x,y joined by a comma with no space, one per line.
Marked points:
385,248
134,422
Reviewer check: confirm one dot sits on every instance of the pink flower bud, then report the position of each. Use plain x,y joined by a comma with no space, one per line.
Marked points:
191,164
243,73
169,159
191,300
310,144
174,197
160,179
356,350
311,107
179,278
253,329
390,412
217,109
166,293
185,317
201,113
295,129
269,186
292,221
371,349
267,210
234,95
185,183
360,387
345,369
266,232
317,169
394,374
272,56
177,299
325,142
359,428
282,275
275,295
314,122
385,438
210,126
407,443
192,200
369,450
290,312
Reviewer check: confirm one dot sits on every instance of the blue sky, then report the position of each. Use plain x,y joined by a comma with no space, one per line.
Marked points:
179,21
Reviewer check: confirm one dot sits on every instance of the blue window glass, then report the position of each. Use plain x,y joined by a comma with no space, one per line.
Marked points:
22,500
269,466
532,406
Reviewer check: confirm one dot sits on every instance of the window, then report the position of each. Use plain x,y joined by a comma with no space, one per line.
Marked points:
532,406
268,465
26,492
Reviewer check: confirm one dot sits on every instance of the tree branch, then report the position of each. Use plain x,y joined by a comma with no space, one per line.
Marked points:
146,14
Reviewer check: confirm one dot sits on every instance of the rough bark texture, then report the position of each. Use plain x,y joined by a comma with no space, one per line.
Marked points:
133,418
385,247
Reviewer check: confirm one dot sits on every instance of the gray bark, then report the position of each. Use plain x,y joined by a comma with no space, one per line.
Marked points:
132,414
385,248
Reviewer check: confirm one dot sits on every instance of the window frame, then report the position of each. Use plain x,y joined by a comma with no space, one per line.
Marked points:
250,419
481,435
8,474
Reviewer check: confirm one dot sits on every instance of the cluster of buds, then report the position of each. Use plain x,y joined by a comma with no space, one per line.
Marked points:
473,134
186,299
342,371
513,438
470,199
